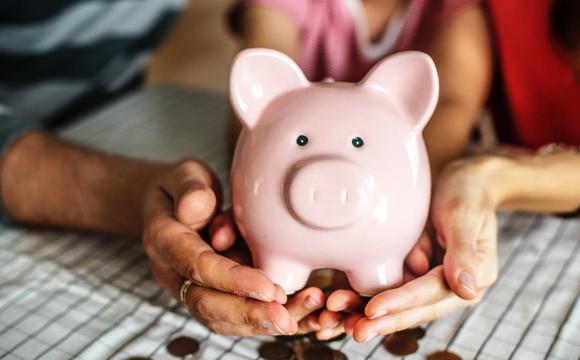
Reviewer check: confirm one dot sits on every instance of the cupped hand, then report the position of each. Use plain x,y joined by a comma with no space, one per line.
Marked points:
329,322
304,306
227,297
464,221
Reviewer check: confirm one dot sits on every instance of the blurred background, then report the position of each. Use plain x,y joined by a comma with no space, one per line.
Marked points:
198,50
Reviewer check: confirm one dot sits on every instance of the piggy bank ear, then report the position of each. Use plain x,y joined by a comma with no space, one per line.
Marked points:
259,76
410,79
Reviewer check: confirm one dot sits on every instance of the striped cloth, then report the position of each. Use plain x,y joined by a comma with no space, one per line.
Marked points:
58,55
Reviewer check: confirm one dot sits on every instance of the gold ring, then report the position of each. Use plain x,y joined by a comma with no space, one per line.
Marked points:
183,290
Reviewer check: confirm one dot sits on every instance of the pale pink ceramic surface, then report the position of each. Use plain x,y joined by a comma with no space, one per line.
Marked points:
329,204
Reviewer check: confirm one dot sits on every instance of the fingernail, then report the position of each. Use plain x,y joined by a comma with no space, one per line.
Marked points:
311,303
272,328
259,296
313,324
371,336
335,324
466,280
343,307
379,313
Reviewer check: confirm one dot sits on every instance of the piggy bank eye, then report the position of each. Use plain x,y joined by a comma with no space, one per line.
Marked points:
357,142
302,140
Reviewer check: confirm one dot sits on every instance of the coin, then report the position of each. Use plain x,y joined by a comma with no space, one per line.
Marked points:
290,338
400,344
443,355
322,352
275,350
183,346
417,332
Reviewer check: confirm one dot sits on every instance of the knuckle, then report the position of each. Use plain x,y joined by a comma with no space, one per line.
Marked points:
200,268
250,315
198,306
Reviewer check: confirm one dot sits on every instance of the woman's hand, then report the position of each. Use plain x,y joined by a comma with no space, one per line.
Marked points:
463,217
227,297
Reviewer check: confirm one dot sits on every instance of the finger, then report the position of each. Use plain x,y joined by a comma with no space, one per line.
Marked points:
330,325
327,334
344,300
459,234
366,329
279,295
408,275
487,271
350,322
329,319
239,316
309,324
225,313
166,277
195,193
305,303
425,290
194,259
418,258
222,232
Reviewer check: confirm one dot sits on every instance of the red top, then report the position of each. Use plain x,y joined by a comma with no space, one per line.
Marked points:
540,89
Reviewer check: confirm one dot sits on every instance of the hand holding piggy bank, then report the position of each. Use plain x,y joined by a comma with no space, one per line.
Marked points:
331,175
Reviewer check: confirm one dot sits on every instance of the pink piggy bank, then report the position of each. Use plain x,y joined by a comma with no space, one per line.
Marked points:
331,175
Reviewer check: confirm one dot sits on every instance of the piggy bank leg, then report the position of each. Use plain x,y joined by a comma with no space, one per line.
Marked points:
369,280
289,274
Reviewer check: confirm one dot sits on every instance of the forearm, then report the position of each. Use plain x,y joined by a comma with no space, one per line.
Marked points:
462,54
269,28
447,133
46,181
534,183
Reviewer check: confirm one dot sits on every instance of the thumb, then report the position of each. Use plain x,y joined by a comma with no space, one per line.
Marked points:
194,190
459,237
195,205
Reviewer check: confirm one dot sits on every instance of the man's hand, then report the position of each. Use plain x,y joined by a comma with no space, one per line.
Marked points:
303,306
225,296
463,216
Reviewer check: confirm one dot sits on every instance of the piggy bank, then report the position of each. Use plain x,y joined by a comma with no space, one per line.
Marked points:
331,175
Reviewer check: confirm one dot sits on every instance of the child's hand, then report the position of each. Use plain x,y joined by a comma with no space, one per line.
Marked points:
345,308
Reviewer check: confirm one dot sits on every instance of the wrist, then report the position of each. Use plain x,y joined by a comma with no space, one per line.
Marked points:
493,176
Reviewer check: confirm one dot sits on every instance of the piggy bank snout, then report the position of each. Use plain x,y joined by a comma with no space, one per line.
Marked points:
327,193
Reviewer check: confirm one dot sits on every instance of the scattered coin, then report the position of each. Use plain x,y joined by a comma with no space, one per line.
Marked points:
275,350
400,344
290,338
322,352
417,332
183,346
443,355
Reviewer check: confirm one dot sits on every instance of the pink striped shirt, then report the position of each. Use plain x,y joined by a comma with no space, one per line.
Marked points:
333,33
